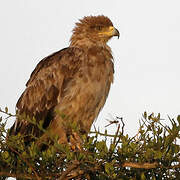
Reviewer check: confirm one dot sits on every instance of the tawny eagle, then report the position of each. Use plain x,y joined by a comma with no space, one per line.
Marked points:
70,85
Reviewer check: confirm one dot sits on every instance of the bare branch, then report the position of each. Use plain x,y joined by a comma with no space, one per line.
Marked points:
141,165
68,170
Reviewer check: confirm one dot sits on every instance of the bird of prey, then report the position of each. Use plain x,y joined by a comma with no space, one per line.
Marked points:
70,85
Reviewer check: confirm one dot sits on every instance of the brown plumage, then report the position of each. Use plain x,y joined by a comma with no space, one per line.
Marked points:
70,85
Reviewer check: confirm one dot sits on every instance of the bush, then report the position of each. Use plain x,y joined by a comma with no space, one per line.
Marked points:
153,153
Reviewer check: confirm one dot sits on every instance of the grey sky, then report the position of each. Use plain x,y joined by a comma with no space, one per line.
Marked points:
147,58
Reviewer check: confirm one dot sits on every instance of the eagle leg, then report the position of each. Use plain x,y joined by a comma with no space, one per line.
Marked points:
75,141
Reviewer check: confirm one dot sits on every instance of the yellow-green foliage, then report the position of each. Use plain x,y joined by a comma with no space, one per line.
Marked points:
153,153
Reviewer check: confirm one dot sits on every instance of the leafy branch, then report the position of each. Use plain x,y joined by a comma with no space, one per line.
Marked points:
153,152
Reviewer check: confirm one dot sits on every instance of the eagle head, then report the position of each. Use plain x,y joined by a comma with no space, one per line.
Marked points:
96,29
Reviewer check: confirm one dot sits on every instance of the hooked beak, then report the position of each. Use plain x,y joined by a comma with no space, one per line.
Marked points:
116,32
110,32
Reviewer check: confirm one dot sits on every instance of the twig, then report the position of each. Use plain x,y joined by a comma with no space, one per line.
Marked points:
68,170
17,175
75,173
9,114
141,165
122,123
102,134
115,121
116,135
37,177
7,174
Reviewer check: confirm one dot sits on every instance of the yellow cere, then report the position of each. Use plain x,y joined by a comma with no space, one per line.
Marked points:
109,31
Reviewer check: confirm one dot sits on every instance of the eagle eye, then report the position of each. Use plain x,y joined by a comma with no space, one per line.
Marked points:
99,28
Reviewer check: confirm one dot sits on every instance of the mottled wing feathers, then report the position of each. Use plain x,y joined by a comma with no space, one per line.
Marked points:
47,61
44,88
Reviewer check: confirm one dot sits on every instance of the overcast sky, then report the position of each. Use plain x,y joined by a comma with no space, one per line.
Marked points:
147,55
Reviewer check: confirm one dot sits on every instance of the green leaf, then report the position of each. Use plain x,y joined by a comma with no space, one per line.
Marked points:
108,167
145,115
178,119
143,177
158,155
5,155
6,109
29,170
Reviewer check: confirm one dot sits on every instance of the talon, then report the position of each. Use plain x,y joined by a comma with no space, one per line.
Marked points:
75,141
